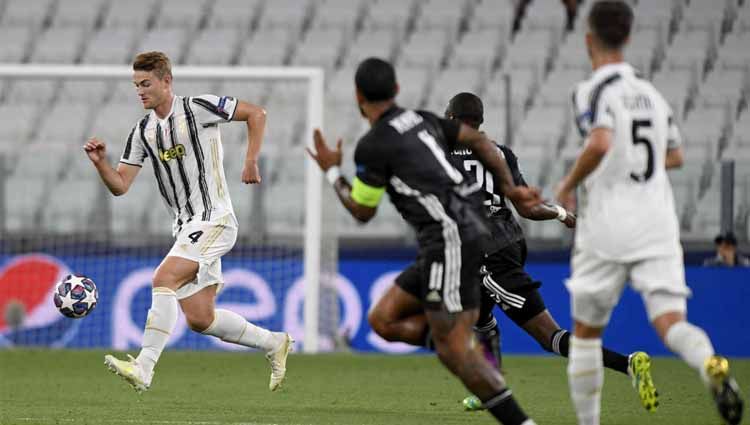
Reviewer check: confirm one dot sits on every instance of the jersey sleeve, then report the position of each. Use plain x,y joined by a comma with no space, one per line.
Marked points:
515,169
213,109
134,152
593,110
372,176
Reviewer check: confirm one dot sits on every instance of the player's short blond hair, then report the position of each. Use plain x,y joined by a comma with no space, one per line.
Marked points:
157,62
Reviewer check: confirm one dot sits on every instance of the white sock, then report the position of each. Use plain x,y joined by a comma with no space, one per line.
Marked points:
161,320
231,327
692,344
586,378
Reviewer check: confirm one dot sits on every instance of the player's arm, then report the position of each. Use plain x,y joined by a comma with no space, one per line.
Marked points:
522,197
674,158
255,117
599,142
118,180
361,199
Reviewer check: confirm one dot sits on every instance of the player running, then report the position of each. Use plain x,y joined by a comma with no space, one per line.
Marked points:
506,282
180,137
405,154
627,227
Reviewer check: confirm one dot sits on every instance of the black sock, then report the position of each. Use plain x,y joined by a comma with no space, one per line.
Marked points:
560,344
505,408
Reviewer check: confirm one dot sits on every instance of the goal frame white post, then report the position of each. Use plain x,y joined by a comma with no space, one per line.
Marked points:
313,76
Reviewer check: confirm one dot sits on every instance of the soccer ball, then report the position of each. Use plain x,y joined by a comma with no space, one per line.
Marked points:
76,296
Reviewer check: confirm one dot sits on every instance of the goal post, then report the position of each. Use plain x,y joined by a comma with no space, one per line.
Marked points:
314,233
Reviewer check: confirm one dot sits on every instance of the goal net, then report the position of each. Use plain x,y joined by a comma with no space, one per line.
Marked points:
56,216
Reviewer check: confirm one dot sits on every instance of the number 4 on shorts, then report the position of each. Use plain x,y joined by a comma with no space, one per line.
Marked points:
194,236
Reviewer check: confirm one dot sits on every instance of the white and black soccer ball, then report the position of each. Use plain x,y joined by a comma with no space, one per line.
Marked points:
76,296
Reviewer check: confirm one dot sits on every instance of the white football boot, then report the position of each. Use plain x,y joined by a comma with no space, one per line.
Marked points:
277,358
130,371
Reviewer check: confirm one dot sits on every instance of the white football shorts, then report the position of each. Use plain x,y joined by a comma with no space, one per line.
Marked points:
205,242
595,285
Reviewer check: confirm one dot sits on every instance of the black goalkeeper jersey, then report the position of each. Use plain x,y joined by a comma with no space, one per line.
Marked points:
505,227
407,152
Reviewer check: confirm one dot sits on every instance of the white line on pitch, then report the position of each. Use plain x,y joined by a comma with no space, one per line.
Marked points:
140,421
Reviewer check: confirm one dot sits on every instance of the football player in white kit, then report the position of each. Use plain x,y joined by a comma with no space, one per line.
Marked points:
627,227
180,138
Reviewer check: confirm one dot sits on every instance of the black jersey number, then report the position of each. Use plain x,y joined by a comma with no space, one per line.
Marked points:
638,139
195,236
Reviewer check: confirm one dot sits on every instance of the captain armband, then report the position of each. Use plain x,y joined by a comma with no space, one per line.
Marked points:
366,195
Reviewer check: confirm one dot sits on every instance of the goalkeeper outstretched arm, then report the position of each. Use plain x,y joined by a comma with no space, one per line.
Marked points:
361,200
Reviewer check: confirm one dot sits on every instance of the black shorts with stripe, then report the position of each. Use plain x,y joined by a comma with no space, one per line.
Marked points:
508,285
444,279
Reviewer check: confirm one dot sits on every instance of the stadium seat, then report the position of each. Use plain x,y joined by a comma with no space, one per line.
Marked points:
451,82
134,14
78,13
389,14
645,49
492,14
741,138
171,41
572,53
342,14
481,48
734,53
37,92
412,85
214,47
130,211
678,87
558,88
723,87
445,15
196,87
282,203
530,49
43,161
340,87
690,49
237,14
743,20
234,136
545,15
23,13
65,123
704,127
58,45
522,85
112,123
23,206
705,15
321,47
90,92
109,46
17,121
424,49
18,49
495,122
654,14
181,14
543,126
285,14
370,43
253,91
268,47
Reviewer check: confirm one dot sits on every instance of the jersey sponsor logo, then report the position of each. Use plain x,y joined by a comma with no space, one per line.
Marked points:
172,153
406,121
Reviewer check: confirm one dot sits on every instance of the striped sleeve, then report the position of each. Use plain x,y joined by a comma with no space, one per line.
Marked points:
210,109
600,111
134,153
674,138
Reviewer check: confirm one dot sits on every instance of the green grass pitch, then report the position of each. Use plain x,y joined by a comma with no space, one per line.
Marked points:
210,388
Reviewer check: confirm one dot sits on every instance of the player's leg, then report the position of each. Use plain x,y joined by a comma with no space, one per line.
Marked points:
457,350
171,274
488,331
595,286
661,282
399,314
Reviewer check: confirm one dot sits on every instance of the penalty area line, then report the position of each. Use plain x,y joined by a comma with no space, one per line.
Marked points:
144,421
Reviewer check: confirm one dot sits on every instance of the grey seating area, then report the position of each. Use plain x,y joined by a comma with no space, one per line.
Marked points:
695,51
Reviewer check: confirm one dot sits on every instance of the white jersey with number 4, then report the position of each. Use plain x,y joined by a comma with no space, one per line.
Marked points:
186,154
626,207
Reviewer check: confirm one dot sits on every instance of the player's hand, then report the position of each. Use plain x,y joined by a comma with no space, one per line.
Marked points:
96,150
524,197
325,157
250,172
565,197
570,220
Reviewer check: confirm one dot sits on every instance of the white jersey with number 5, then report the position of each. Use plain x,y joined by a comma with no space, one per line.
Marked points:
626,207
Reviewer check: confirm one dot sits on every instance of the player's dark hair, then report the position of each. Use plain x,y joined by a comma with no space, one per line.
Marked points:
376,79
466,107
611,21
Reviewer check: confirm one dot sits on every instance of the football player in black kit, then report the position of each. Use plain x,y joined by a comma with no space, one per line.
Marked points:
405,153
505,281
